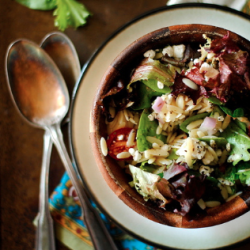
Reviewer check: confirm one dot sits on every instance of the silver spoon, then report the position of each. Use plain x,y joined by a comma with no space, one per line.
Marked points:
62,51
40,94
45,236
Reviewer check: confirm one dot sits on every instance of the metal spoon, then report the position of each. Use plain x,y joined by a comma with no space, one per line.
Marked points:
40,94
45,236
62,51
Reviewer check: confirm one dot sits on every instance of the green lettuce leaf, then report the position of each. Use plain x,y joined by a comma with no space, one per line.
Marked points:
70,13
216,109
153,69
242,125
240,143
230,173
67,12
236,113
146,184
152,168
220,141
173,155
215,100
39,4
244,177
184,125
243,172
144,96
147,128
234,173
152,83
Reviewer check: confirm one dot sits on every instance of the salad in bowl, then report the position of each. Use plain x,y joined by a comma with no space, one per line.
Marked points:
172,126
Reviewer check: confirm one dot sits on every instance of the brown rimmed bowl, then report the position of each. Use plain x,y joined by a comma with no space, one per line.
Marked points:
114,176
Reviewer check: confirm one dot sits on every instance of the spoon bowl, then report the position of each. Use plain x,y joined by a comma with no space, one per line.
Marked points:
63,53
37,86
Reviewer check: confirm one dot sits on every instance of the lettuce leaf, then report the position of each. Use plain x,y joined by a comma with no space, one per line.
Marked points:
242,125
145,184
215,100
67,12
39,5
184,125
220,141
229,174
153,69
239,112
239,172
144,96
245,177
147,128
240,143
243,173
70,13
152,83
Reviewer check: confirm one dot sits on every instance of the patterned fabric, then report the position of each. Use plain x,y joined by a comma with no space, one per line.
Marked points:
66,212
64,204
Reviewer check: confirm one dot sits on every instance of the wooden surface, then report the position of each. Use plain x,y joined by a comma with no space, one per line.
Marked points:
21,144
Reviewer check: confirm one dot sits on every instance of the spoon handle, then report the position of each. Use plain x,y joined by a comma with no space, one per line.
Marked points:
99,234
45,230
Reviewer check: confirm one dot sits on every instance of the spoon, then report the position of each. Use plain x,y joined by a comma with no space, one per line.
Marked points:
62,51
40,95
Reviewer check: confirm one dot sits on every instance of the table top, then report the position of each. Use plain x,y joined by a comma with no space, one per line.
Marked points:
21,144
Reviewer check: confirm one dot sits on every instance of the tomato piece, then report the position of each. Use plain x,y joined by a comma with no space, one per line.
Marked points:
117,142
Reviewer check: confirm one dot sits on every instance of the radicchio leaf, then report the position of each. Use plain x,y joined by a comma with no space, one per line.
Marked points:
165,188
233,66
222,44
174,170
179,87
222,89
180,182
195,75
192,192
236,61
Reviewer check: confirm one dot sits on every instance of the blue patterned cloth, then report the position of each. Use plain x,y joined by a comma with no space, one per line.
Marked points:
66,211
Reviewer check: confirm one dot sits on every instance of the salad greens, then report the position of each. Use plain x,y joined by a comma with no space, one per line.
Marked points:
152,83
220,141
239,141
215,100
145,96
147,128
38,5
184,125
236,113
243,172
146,184
67,12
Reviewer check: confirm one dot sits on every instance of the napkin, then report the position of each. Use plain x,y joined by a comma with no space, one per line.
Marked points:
69,227
64,204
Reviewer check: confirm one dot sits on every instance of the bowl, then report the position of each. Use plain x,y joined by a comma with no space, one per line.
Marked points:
113,174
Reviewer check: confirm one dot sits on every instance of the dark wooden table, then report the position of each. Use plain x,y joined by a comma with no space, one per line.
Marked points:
21,144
